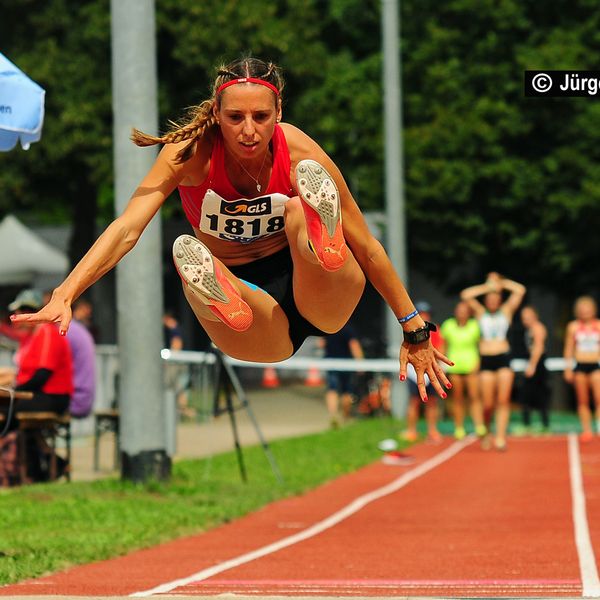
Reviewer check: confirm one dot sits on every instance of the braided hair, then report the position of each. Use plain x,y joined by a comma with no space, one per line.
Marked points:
200,119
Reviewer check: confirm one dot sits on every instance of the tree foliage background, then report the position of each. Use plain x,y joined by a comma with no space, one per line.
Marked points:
494,181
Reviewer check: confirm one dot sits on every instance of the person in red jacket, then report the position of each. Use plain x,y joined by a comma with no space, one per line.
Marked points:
43,361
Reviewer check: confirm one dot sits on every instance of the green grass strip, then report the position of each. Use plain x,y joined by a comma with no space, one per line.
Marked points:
49,527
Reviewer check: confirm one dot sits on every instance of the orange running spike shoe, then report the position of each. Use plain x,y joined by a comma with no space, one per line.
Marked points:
197,269
322,210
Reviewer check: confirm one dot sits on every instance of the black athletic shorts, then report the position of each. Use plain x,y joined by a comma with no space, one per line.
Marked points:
495,362
586,368
274,274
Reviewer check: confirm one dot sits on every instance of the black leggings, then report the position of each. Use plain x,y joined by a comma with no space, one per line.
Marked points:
274,275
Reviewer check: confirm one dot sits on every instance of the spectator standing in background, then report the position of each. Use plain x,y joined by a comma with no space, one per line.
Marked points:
177,377
582,343
83,311
172,332
343,344
414,402
494,317
83,352
461,339
535,393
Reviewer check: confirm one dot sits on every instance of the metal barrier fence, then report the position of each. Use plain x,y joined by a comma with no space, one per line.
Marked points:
193,373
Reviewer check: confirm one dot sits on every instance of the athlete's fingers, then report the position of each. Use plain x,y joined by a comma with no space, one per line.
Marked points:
65,321
442,357
403,362
46,316
441,375
435,382
421,386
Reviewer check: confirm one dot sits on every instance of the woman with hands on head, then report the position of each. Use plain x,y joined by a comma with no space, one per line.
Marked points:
496,377
280,249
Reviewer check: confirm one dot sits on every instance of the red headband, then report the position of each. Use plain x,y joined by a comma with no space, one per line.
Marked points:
248,80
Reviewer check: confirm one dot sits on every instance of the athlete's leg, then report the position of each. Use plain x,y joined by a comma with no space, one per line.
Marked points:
431,417
266,337
346,402
325,298
332,397
412,414
595,383
487,380
582,391
505,382
458,403
475,403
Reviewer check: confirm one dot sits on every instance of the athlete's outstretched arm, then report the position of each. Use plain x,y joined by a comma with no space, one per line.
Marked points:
114,243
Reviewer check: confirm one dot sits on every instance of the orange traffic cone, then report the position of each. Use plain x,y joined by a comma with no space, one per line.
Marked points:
313,378
270,379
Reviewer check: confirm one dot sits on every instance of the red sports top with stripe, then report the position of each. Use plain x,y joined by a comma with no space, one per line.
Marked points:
218,209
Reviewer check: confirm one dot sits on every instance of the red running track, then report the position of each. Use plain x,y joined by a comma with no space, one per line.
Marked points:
459,522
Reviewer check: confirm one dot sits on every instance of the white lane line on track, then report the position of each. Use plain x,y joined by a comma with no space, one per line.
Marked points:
327,523
585,551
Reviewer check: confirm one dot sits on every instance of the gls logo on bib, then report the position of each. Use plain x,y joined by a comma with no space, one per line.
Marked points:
257,206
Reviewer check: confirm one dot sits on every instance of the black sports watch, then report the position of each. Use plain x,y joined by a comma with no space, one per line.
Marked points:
418,336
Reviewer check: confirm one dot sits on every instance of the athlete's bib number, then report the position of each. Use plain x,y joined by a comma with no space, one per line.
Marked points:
242,220
253,228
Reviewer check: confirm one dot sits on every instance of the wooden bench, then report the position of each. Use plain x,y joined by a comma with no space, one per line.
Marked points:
106,421
50,426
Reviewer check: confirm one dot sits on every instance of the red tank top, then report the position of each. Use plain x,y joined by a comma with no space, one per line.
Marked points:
216,207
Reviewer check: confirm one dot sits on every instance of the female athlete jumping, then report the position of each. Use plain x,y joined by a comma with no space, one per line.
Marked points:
280,248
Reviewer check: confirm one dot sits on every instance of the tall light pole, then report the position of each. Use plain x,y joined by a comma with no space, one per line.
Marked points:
394,175
139,275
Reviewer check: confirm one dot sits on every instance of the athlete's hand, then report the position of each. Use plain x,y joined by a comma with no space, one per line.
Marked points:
56,311
424,358
529,371
568,375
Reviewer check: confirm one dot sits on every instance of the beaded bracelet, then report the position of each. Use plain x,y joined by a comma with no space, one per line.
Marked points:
408,317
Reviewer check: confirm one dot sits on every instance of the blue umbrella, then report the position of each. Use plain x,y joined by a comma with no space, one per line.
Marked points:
21,107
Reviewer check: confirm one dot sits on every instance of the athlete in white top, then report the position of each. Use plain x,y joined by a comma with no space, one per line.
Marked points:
582,343
496,376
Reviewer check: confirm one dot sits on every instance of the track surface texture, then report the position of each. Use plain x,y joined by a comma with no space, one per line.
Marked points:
458,522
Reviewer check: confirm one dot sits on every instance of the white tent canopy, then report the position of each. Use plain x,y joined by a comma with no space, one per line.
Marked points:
25,256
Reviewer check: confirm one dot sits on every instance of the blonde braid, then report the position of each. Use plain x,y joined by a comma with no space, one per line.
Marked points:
199,120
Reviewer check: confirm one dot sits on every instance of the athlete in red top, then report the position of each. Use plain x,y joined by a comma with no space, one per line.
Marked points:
270,261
